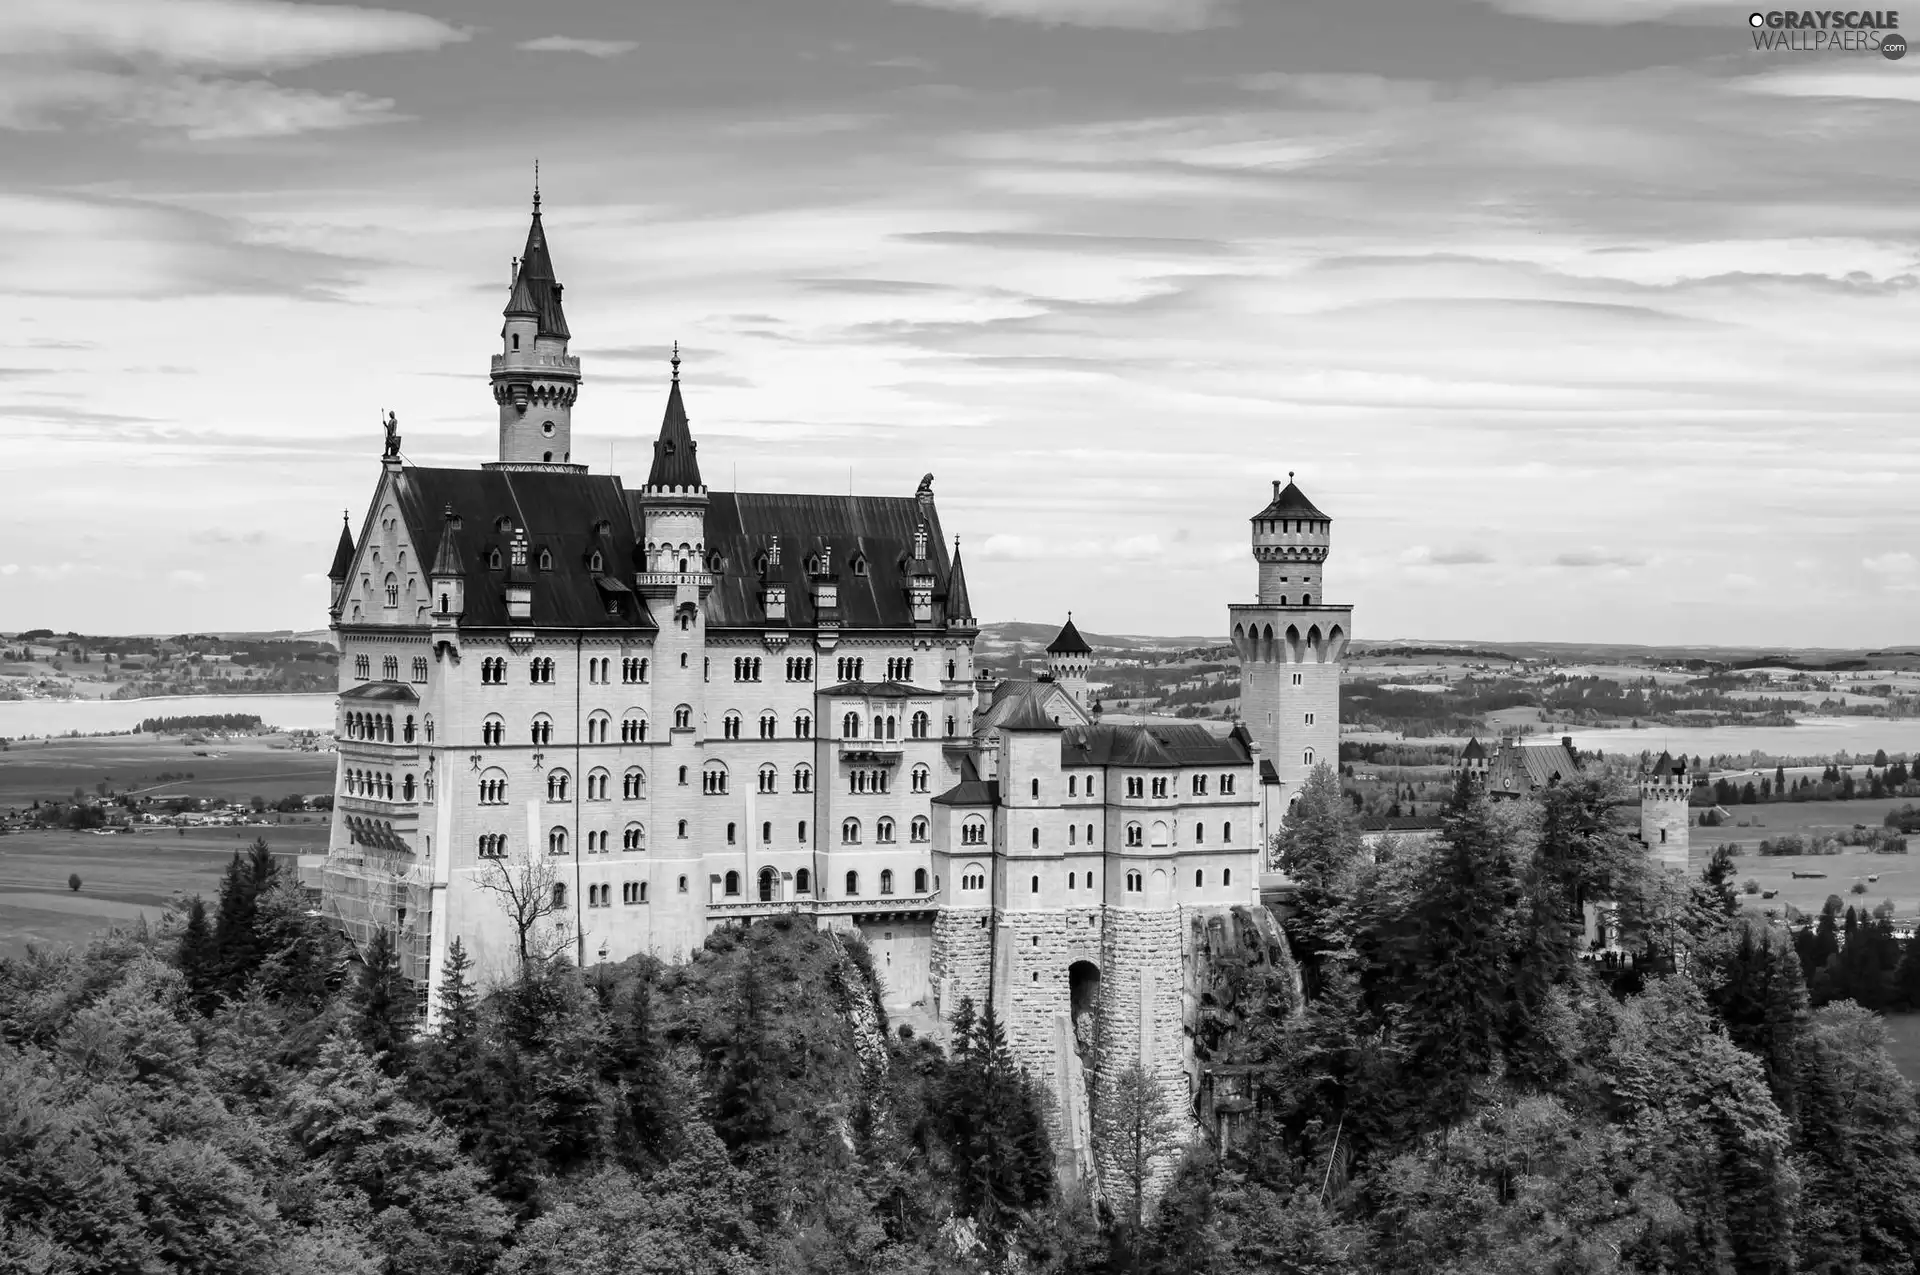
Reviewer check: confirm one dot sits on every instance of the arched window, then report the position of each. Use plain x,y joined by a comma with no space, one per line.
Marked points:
633,727
493,787
974,831
713,780
803,778
850,832
406,732
1226,833
633,785
768,725
733,883
556,785
1035,787
599,726
732,833
598,784
1199,878
921,779
1133,834
406,788
1073,785
883,832
850,725
921,723
1226,876
803,726
918,828
1072,834
1199,834
634,838
541,732
683,830
769,778
769,884
1306,758
919,880
766,832
973,877
1035,889
802,836
853,885
1036,838
493,730
557,841
1161,836
683,717
803,882
886,880
730,726
393,590
880,726
559,895
1133,882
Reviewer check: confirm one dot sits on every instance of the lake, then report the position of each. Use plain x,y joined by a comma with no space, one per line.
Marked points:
26,717
1810,737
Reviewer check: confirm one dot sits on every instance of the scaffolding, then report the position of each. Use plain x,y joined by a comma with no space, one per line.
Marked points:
365,890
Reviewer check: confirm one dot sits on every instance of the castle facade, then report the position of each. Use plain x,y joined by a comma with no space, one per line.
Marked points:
582,718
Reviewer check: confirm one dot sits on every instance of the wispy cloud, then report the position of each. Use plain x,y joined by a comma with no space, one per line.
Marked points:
1458,556
1598,558
1886,81
579,44
194,67
1898,570
1141,15
1621,12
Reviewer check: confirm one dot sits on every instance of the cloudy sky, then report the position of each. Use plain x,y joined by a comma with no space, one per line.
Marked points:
1581,318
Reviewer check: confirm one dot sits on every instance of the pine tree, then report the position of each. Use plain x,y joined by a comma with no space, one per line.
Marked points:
1452,1018
745,1112
990,1115
198,958
1320,848
382,1000
644,1116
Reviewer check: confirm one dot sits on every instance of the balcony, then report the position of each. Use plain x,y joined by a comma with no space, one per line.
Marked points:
673,580
379,807
371,751
527,361
884,751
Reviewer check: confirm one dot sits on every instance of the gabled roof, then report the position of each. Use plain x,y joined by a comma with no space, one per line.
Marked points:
971,790
1290,502
1474,751
1160,745
877,530
1666,765
1069,642
343,553
674,461
535,292
1520,769
1028,715
562,513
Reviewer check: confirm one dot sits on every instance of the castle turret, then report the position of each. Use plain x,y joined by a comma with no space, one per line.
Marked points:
1068,659
448,580
535,380
1291,642
960,618
1664,819
342,567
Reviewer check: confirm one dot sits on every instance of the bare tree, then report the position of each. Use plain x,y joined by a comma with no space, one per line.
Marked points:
1135,1129
529,890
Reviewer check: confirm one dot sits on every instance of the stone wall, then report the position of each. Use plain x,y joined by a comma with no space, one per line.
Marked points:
959,964
1141,1015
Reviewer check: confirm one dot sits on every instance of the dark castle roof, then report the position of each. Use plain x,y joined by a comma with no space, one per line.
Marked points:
1028,715
1159,745
573,515
1290,502
1069,642
535,291
971,790
959,605
1474,751
675,463
342,553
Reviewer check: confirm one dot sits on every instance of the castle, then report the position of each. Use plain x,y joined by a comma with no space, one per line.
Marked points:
578,717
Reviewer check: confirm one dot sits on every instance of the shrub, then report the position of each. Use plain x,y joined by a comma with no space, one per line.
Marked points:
73,882
1859,887
1750,886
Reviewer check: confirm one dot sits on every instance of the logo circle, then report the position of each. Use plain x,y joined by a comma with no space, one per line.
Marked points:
1756,19
1893,47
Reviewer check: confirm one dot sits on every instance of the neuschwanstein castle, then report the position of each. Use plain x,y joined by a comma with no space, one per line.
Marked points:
678,709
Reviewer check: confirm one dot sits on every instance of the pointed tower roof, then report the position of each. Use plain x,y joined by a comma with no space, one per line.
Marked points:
535,291
959,605
674,462
1069,642
1474,751
343,553
1290,502
446,562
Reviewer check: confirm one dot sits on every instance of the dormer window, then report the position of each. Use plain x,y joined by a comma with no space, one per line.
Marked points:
596,564
493,560
668,446
503,524
859,565
546,560
716,563
813,566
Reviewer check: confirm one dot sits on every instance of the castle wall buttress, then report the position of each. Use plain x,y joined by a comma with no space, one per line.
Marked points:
1142,1018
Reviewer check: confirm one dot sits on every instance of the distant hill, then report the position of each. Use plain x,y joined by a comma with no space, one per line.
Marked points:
1011,631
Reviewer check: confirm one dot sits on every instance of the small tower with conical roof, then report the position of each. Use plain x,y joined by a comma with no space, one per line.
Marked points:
1068,660
1291,642
960,618
1664,819
535,380
342,568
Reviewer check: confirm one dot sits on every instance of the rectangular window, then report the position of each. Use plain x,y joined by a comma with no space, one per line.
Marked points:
1309,719
1296,679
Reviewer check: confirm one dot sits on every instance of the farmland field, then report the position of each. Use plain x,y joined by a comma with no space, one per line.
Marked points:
1899,880
1799,818
39,770
122,876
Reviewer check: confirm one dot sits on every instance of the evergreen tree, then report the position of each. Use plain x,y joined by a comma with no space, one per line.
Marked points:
1136,1133
1719,877
1452,1020
1002,1162
1320,849
198,958
644,1114
745,1107
1761,996
238,944
382,1017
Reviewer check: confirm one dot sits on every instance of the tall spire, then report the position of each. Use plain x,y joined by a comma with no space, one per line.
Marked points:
959,606
674,462
343,552
536,293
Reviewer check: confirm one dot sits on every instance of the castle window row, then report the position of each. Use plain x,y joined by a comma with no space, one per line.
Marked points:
867,781
379,728
1162,787
746,668
378,786
799,668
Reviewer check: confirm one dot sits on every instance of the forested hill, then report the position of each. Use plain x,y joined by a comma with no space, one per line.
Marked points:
1445,1085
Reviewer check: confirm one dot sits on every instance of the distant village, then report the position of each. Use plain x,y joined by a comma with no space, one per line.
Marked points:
41,665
